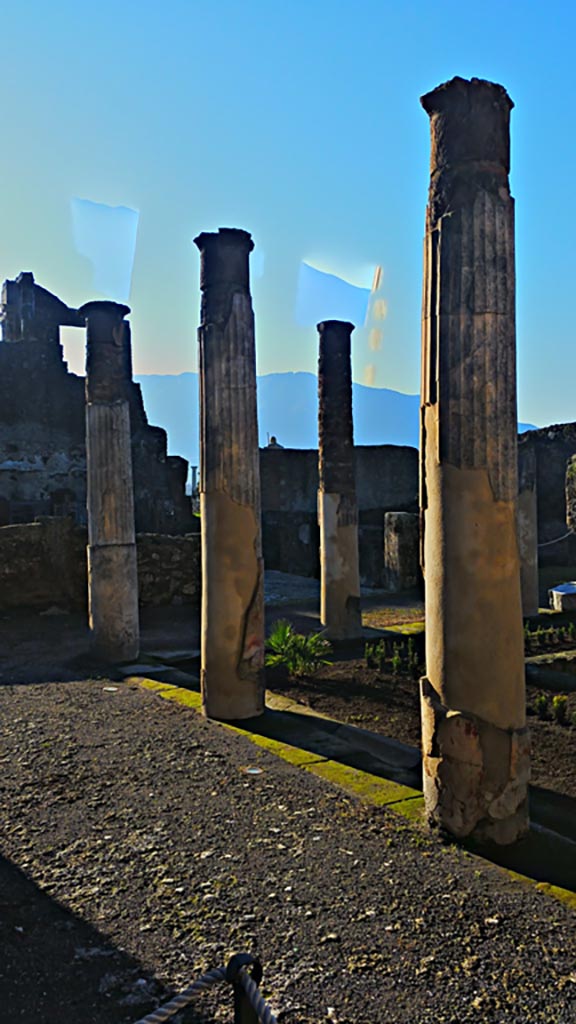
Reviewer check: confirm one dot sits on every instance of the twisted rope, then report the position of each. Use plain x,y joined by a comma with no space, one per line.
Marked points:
179,1002
260,1007
557,539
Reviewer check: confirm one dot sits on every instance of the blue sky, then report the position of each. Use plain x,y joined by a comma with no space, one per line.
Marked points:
300,122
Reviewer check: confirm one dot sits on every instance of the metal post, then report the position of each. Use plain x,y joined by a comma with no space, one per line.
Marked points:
244,1012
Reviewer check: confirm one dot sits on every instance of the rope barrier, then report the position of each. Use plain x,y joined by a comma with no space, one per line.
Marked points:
260,1007
557,540
235,973
164,1013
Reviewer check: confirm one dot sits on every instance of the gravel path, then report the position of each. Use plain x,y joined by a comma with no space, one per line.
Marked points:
138,852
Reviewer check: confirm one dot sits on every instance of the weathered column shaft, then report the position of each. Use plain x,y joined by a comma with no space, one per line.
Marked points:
528,529
337,507
401,550
232,640
475,742
112,563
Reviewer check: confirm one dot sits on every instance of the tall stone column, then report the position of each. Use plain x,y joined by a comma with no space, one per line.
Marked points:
232,640
528,529
337,507
475,741
112,569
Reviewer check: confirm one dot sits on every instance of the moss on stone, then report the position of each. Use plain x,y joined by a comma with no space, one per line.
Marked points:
407,628
371,788
294,755
189,698
379,792
555,891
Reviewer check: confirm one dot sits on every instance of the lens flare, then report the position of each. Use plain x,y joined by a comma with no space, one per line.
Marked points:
106,236
375,339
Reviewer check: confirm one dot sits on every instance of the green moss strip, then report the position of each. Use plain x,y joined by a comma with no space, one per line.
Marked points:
407,628
189,698
370,788
557,893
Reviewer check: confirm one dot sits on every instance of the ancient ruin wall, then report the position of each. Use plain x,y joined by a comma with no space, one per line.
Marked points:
43,566
386,481
42,425
552,449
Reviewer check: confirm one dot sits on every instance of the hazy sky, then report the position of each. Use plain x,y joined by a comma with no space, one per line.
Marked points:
298,120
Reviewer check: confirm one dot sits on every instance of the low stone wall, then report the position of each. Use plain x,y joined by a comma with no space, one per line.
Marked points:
168,568
43,566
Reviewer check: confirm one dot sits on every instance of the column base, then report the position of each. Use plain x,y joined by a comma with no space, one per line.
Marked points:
113,601
475,774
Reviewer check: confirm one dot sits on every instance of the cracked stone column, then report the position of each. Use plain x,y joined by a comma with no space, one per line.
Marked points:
112,569
475,741
337,506
232,632
528,528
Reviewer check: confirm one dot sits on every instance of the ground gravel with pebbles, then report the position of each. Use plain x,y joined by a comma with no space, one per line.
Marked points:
137,852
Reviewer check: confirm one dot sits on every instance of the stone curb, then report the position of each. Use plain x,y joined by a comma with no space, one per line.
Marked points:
371,789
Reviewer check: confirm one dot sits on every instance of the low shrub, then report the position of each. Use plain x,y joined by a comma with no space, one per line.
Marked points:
301,655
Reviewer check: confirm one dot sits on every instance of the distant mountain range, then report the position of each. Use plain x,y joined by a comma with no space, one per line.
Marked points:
287,408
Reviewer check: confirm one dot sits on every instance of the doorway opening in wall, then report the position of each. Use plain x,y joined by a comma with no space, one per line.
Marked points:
73,341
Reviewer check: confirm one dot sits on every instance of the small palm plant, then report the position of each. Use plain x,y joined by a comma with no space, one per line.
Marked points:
300,655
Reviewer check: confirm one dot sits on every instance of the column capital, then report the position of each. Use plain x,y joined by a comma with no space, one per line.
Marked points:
108,350
340,326
225,258
470,122
234,237
114,310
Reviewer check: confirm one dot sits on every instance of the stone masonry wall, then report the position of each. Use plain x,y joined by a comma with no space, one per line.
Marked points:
553,446
43,565
386,481
42,425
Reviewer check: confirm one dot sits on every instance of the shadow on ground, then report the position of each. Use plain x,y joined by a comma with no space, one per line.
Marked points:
56,967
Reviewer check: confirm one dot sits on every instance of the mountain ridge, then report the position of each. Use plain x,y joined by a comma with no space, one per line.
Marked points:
287,409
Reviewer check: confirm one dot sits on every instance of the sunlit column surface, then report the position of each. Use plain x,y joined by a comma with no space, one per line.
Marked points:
112,569
337,505
475,742
232,641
